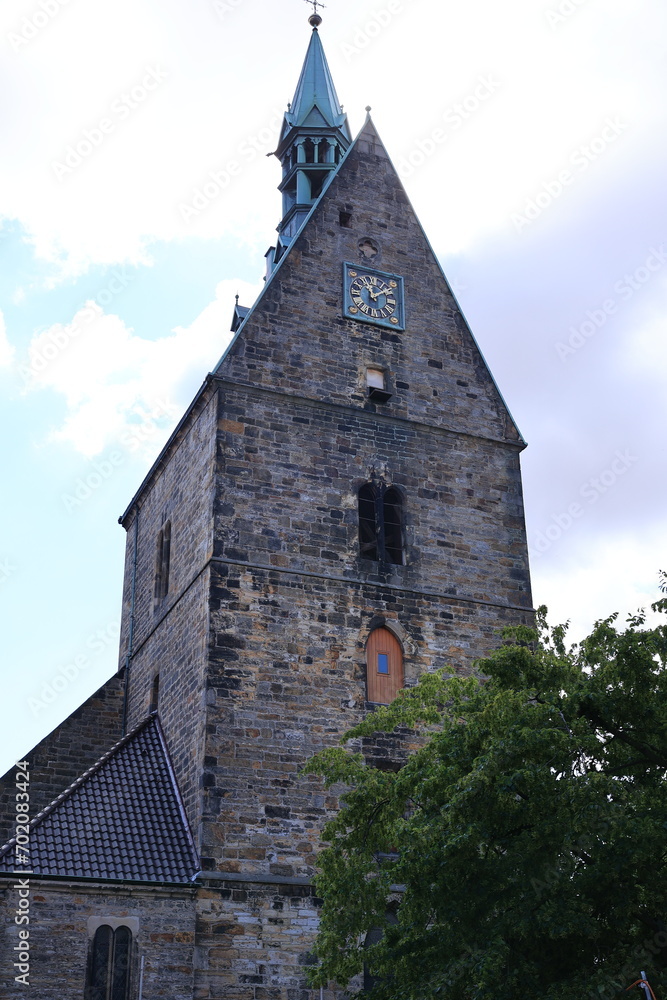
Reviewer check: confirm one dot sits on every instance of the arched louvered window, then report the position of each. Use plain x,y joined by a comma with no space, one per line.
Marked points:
384,666
381,523
393,529
368,525
110,964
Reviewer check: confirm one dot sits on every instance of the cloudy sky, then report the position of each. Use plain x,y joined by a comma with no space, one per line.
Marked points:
531,139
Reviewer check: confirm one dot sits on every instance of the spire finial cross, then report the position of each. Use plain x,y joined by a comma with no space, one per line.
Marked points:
315,4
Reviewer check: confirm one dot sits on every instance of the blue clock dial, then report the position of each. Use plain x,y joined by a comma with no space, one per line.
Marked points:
374,296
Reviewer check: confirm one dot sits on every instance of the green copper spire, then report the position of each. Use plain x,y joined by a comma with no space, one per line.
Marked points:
313,139
315,100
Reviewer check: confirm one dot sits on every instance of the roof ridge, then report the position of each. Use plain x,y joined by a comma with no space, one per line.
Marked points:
69,791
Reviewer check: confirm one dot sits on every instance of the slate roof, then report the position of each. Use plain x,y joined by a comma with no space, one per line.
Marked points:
122,819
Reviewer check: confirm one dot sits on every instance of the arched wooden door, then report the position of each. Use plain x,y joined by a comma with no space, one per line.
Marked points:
384,666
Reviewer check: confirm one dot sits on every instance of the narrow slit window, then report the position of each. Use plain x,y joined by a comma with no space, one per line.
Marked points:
155,693
162,560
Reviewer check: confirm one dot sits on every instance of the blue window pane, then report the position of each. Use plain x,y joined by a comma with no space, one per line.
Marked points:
383,663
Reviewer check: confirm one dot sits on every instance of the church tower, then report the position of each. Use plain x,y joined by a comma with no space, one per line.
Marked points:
338,511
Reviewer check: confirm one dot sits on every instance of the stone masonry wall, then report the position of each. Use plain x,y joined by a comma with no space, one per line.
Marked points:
254,941
67,752
288,476
170,634
162,921
287,676
177,649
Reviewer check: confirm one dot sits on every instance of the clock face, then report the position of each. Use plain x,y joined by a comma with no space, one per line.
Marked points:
374,296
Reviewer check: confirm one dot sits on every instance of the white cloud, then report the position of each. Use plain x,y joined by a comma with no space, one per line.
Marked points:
120,388
618,572
208,114
643,350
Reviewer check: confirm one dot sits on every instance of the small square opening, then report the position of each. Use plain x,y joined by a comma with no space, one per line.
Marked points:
345,219
376,384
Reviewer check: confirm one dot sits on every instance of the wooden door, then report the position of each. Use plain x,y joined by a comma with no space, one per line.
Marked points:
384,666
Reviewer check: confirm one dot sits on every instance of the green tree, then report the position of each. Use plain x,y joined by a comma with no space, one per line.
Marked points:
522,851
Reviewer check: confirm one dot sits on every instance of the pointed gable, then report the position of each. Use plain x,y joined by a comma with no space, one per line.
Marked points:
122,819
298,337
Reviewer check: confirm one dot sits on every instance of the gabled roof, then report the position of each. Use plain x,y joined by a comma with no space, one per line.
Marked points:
123,819
315,100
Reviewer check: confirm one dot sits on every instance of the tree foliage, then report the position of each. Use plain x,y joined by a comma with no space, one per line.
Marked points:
523,848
